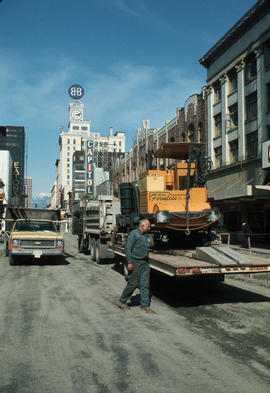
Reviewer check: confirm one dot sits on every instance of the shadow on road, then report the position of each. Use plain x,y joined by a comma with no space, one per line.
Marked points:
190,292
43,261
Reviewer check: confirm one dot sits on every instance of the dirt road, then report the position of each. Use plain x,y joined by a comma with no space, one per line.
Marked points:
61,332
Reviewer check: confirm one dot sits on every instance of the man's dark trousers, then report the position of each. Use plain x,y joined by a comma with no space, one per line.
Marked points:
138,278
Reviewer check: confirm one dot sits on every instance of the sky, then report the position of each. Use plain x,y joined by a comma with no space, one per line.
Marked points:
136,60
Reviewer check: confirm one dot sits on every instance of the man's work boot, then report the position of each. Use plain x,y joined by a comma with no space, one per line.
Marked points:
123,306
148,310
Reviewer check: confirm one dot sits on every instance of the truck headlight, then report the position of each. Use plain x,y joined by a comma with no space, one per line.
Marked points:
59,243
15,242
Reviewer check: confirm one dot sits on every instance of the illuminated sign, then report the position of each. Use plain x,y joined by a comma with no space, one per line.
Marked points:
89,185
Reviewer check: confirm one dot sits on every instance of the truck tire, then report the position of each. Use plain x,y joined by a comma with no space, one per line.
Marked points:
93,250
80,244
11,259
7,250
98,253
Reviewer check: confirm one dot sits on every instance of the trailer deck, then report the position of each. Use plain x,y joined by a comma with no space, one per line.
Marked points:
189,264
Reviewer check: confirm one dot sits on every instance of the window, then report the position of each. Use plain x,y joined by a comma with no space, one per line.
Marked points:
250,69
84,128
267,54
68,154
190,133
68,159
74,141
67,176
232,81
217,120
251,106
201,133
68,141
252,144
268,97
217,93
76,128
79,176
81,158
67,165
232,117
68,148
218,157
120,144
233,151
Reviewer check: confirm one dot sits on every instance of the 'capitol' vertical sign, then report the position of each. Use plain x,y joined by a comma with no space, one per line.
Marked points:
89,167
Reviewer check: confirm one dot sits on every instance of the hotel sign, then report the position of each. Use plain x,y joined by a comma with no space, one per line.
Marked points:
16,179
89,167
266,154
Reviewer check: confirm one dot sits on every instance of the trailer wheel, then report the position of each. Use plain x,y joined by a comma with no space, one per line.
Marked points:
93,250
11,259
80,244
7,250
98,253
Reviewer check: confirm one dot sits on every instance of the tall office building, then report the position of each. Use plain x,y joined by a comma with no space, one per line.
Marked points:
75,141
12,139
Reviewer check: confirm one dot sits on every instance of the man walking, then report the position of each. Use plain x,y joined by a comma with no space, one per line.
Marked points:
137,250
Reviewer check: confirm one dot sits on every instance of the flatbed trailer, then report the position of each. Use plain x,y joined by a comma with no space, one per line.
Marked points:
203,261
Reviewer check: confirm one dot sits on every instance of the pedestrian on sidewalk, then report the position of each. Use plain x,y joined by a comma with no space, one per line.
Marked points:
137,251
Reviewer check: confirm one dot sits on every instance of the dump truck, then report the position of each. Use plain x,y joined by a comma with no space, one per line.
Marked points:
32,233
93,222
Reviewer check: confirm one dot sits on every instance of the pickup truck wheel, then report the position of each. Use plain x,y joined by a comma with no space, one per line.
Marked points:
93,250
11,259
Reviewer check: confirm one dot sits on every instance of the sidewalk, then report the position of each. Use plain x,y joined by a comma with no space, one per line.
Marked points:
263,251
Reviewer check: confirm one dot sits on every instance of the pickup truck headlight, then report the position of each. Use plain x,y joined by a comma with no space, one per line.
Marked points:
15,242
59,243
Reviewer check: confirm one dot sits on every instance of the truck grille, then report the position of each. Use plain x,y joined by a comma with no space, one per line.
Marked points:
37,243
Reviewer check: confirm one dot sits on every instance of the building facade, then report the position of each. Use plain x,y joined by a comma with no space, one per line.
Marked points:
28,192
12,139
189,125
238,106
106,150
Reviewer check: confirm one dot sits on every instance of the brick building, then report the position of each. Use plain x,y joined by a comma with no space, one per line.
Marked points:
189,125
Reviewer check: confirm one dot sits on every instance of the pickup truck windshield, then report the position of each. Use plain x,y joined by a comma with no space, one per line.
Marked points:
34,226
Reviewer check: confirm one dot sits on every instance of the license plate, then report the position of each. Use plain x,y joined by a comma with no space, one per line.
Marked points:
37,253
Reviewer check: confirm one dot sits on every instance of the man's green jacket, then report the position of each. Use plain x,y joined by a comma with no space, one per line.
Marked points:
137,246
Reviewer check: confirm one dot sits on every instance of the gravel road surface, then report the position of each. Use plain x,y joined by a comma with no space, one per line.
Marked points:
61,332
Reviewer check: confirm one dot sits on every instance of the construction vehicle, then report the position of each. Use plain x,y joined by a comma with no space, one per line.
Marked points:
32,233
182,221
174,199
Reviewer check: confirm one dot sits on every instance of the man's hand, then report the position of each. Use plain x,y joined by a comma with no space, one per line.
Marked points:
129,267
